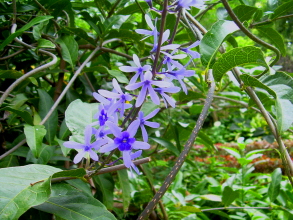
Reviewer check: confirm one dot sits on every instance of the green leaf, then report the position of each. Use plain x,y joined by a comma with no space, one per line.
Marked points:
237,57
79,173
9,161
23,114
191,209
213,39
284,114
133,8
10,74
234,152
77,120
105,189
275,185
244,12
274,37
119,76
282,9
126,190
69,203
34,21
46,152
34,137
17,194
69,49
38,30
43,43
45,104
65,150
229,195
205,139
78,32
167,144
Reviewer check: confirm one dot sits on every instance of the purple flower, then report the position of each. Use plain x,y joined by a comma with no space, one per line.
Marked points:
143,121
147,87
190,3
119,96
86,148
101,133
166,98
170,59
165,37
192,53
153,28
139,69
179,75
125,142
150,3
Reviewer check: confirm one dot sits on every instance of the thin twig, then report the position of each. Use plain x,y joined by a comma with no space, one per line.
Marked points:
223,208
13,149
270,20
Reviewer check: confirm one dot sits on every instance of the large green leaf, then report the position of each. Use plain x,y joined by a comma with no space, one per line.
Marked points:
69,203
80,114
69,49
275,185
282,9
237,57
10,74
105,189
34,21
19,189
274,37
34,137
126,189
213,39
51,124
244,12
229,195
280,86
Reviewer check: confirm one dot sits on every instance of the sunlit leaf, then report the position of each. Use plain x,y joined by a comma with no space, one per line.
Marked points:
34,137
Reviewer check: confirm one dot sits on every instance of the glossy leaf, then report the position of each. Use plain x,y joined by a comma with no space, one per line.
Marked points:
69,203
46,153
79,173
77,120
18,32
69,49
229,195
78,32
23,114
237,57
10,74
167,144
284,114
34,137
244,12
133,8
105,189
232,151
51,124
43,43
213,39
282,9
274,37
275,185
126,188
119,76
20,189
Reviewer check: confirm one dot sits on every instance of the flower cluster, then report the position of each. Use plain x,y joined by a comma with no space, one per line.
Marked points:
108,133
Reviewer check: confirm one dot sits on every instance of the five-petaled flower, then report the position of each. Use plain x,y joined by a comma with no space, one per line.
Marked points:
86,149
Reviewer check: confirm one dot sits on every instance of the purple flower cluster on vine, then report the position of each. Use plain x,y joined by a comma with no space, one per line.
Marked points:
108,132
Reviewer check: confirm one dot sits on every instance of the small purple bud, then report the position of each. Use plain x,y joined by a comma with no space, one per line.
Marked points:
150,3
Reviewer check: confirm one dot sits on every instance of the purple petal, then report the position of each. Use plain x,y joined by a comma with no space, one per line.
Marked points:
101,99
137,145
173,89
108,147
155,98
141,96
195,44
148,75
136,60
144,133
152,124
134,86
135,154
143,31
116,86
88,135
114,128
152,114
128,69
149,21
132,128
134,78
79,156
161,83
108,94
146,67
97,144
169,100
73,145
93,155
127,158
135,168
170,47
182,85
166,35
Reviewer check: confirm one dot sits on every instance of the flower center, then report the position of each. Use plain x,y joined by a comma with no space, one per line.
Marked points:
103,118
147,82
87,148
124,142
140,70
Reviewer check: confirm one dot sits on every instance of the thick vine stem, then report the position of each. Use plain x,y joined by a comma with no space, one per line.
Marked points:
249,34
180,160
